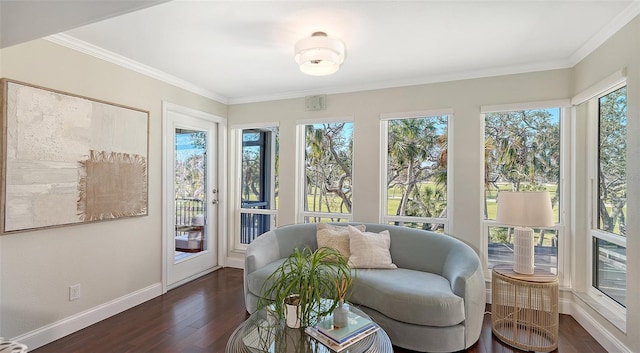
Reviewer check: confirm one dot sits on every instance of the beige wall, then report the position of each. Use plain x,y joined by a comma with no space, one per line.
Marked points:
619,52
109,259
465,99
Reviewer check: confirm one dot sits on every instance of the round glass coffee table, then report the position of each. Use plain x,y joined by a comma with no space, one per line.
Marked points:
262,332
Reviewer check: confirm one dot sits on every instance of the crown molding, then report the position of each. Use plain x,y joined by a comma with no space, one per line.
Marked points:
103,54
106,55
457,76
607,32
623,18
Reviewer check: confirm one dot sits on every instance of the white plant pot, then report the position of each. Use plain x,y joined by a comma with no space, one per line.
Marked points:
292,314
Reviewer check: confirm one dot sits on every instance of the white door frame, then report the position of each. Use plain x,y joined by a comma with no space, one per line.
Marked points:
168,229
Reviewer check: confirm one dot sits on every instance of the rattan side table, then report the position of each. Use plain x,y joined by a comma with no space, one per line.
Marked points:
524,308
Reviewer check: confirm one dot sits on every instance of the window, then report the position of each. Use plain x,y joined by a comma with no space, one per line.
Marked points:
522,151
258,182
326,182
610,206
415,191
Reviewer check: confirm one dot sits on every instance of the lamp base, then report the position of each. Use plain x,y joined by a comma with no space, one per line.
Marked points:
523,250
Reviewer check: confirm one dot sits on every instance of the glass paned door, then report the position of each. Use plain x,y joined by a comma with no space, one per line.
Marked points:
190,195
190,192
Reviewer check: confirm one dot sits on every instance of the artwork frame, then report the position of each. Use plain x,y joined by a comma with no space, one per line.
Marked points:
68,159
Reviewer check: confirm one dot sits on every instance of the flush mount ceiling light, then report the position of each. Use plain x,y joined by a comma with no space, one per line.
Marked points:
319,55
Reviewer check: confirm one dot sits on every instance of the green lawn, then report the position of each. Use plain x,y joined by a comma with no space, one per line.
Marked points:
395,194
394,200
492,207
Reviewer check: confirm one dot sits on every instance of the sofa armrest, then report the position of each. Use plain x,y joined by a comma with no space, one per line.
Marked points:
460,264
464,271
262,251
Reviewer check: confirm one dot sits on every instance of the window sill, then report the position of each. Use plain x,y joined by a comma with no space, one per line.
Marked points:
615,317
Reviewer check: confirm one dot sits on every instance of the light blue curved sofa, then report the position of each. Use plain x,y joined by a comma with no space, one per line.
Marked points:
433,302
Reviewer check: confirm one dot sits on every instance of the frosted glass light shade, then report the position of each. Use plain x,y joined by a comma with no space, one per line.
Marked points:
319,55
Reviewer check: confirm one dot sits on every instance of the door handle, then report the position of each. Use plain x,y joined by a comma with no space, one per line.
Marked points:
215,202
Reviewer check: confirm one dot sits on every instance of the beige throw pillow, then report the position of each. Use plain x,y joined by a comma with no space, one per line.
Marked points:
335,237
370,250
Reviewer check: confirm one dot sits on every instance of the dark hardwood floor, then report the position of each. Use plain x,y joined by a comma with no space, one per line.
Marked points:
201,315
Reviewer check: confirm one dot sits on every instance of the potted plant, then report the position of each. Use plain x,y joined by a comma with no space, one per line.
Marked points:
308,279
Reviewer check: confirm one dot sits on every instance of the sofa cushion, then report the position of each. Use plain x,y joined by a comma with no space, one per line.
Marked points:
335,237
256,278
413,297
370,250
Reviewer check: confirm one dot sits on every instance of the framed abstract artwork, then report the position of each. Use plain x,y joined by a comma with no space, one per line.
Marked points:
68,159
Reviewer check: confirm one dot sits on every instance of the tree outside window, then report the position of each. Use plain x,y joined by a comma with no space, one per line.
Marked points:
522,153
612,162
328,167
609,243
417,172
190,164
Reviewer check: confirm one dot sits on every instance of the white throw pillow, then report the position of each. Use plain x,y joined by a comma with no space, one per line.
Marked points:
335,237
370,250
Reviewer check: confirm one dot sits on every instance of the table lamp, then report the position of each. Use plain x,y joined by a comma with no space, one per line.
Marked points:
524,210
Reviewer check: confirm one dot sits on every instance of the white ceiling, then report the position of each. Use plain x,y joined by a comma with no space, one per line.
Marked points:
242,51
24,20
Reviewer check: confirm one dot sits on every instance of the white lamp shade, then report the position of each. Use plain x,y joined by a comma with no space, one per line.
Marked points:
319,55
525,209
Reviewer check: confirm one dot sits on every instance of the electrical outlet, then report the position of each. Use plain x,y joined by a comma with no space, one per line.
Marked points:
74,292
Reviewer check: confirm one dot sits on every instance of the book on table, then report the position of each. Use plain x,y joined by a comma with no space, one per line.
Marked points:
339,347
356,325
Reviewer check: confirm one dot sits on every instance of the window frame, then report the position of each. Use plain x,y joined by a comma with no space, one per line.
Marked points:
235,202
593,231
562,226
301,214
384,145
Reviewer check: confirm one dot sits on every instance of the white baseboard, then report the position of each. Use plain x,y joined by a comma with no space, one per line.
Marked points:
193,277
564,306
599,332
235,262
49,333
